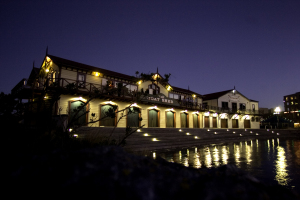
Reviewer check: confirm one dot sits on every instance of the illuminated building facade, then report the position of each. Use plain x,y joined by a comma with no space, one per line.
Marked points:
292,107
230,109
154,100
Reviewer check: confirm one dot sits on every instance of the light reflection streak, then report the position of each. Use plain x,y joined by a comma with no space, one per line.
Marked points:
224,155
207,158
216,156
248,154
280,167
237,155
268,146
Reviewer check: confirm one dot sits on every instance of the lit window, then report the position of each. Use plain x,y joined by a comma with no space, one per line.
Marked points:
171,95
286,98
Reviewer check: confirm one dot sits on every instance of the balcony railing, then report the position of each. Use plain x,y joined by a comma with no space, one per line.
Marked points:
74,86
215,109
122,94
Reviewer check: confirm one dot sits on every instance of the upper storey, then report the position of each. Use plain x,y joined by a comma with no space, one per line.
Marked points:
63,73
231,101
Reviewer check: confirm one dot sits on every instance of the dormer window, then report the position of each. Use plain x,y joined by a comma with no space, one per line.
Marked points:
154,89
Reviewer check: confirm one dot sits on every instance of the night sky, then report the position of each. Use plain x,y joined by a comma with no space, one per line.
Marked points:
208,46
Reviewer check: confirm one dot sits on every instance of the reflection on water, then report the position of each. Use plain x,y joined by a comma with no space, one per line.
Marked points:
270,160
282,175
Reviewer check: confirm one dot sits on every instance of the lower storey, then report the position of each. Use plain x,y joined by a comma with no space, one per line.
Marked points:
135,115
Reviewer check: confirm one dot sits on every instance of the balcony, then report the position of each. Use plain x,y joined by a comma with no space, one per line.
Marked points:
69,86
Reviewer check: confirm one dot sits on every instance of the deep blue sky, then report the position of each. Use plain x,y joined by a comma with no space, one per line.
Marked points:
209,46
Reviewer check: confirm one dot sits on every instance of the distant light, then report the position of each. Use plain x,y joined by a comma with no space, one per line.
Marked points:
256,134
216,133
75,135
146,134
277,133
138,130
70,130
241,135
154,155
154,139
180,130
196,137
47,70
233,132
208,130
187,133
277,110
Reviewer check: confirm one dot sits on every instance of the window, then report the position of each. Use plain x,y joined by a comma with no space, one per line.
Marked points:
287,103
291,98
154,89
242,106
171,95
253,107
292,103
224,104
81,80
286,98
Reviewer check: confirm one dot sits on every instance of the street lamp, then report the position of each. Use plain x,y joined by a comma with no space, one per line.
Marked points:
277,112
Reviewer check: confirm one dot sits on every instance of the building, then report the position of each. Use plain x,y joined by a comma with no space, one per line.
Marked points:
150,99
230,109
292,108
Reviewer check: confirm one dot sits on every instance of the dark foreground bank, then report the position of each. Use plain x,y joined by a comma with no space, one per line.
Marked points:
111,173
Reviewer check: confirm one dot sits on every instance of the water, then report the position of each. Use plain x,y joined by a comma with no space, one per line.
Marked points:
269,160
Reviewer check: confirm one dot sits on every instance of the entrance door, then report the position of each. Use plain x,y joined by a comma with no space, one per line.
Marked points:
215,125
235,123
234,107
196,121
183,119
108,121
206,122
224,123
170,119
81,116
247,123
133,117
153,118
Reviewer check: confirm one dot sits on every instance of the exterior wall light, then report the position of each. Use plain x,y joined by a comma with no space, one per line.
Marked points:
47,70
97,73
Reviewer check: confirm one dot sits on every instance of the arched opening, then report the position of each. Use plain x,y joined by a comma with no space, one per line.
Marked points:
196,120
170,119
153,118
184,120
108,113
78,113
133,116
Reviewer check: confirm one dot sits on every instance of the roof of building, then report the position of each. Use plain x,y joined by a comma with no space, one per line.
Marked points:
297,93
69,63
184,91
216,95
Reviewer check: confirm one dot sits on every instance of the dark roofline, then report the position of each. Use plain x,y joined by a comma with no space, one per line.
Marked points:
292,94
216,95
185,91
69,63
